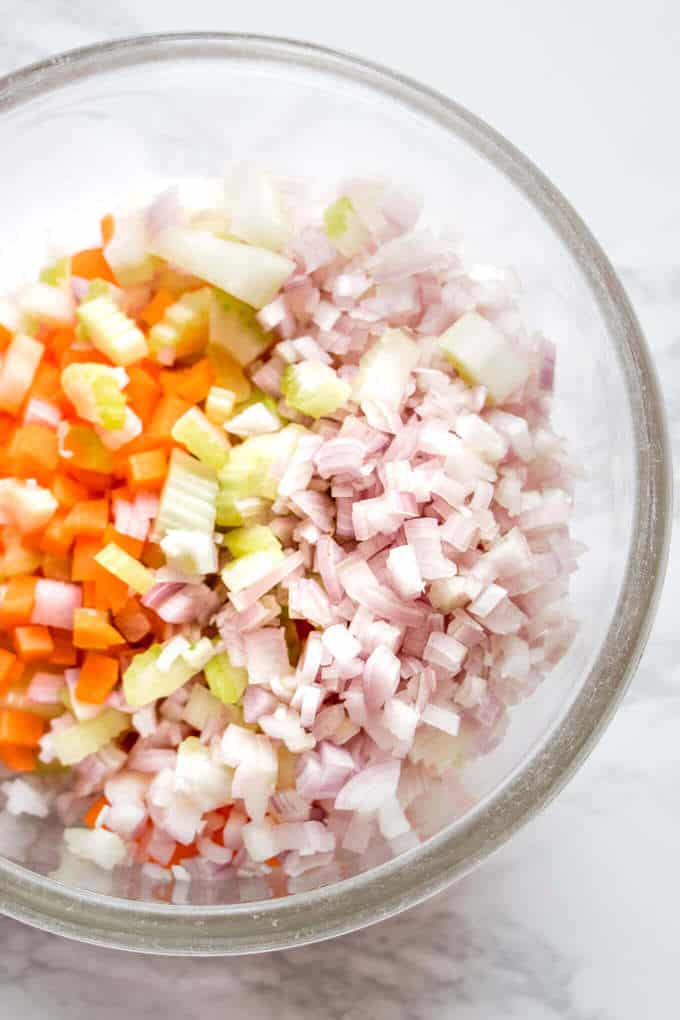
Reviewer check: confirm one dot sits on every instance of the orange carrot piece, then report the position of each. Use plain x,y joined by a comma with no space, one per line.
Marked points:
92,630
92,814
110,592
56,538
33,643
133,620
159,429
88,519
98,676
182,853
132,546
147,470
60,341
82,564
56,567
16,604
92,265
191,384
7,663
155,310
33,452
142,392
18,759
107,228
20,727
153,556
5,337
64,653
67,491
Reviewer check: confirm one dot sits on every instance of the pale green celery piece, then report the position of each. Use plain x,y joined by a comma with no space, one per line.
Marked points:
225,681
95,392
219,405
127,569
112,332
234,328
257,538
205,440
189,497
184,326
344,228
143,682
58,274
247,472
191,552
314,389
228,515
100,288
246,570
85,738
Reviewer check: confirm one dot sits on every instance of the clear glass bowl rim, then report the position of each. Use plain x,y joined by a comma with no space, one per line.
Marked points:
424,871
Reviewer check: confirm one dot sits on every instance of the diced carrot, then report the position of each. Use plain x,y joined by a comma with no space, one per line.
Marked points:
88,519
33,452
85,451
191,384
98,676
19,727
133,620
155,310
5,337
92,265
90,595
147,470
92,630
107,228
94,482
110,592
16,604
153,556
182,853
60,342
64,653
33,643
92,814
7,427
158,432
56,567
7,663
142,392
273,862
78,356
82,564
18,759
56,539
131,545
67,491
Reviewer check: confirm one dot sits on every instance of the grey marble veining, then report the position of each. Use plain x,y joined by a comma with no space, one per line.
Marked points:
575,919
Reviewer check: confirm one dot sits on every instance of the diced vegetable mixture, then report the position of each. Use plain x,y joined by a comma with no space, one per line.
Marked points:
284,527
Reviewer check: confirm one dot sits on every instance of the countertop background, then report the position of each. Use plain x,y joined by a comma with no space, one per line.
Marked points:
579,917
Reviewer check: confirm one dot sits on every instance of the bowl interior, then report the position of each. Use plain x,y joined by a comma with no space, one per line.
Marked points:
80,137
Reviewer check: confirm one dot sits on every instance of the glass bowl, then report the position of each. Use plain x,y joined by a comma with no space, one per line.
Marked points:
81,128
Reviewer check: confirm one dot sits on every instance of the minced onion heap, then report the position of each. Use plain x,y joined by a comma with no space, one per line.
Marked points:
366,563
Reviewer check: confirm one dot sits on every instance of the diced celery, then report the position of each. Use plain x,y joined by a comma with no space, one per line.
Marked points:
257,212
314,388
188,498
225,681
127,569
191,552
258,418
251,274
247,473
257,538
101,288
143,682
205,440
58,273
48,304
227,513
234,328
481,354
96,393
112,332
85,450
88,737
344,228
219,405
228,372
246,570
184,326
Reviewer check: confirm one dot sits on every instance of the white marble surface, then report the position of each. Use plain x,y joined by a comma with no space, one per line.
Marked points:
578,917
